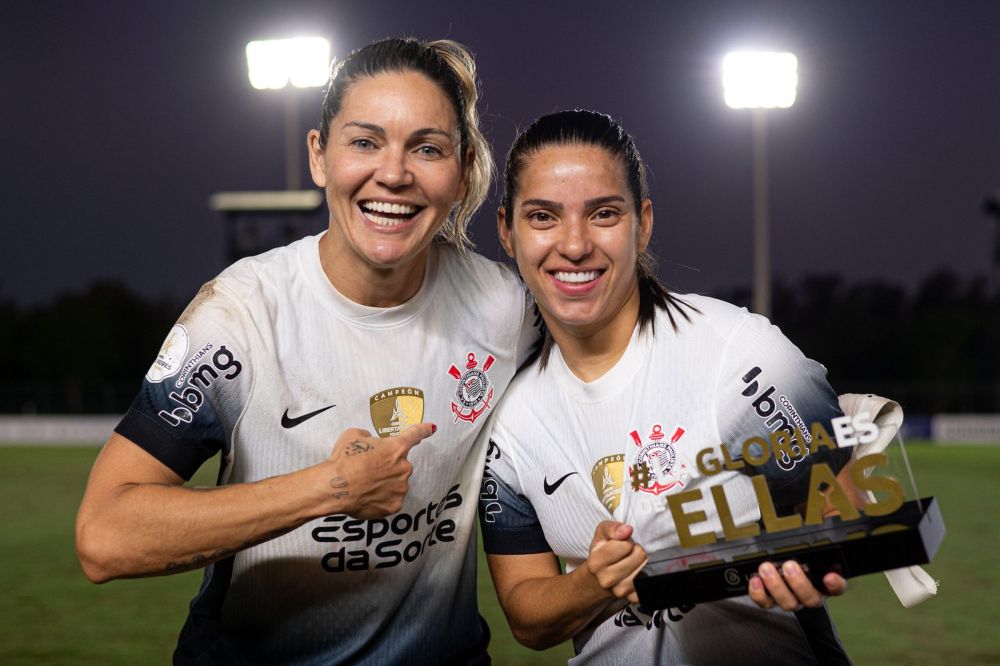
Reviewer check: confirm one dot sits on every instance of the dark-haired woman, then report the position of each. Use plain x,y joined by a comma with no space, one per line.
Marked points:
631,383
322,549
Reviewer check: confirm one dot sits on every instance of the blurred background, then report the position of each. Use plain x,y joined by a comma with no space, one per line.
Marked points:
121,119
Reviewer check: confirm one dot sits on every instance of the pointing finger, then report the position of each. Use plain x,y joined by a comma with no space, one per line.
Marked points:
415,434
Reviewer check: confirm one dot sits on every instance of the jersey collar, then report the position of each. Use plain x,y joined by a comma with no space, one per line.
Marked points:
611,382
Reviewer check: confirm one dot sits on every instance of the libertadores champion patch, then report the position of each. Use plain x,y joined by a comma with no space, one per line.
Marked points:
396,409
475,390
607,477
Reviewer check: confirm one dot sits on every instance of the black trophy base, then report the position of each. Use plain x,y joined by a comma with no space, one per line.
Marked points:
910,535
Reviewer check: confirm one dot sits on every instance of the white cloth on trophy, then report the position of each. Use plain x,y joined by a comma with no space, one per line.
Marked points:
912,585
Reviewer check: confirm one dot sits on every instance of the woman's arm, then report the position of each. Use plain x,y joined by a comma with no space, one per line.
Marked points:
545,607
137,519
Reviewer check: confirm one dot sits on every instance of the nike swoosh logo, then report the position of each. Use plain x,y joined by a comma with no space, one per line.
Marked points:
551,488
291,422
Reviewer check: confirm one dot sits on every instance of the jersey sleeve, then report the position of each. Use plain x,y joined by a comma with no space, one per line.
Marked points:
196,387
506,517
768,389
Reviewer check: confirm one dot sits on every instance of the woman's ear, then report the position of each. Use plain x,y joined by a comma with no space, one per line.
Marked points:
504,231
317,163
645,224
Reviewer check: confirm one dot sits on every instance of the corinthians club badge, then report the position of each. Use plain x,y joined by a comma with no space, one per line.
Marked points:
655,470
474,392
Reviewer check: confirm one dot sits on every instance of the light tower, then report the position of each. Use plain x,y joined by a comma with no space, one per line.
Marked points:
274,64
760,80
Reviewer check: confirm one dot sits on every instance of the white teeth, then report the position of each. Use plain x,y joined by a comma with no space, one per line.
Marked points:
384,207
576,278
383,221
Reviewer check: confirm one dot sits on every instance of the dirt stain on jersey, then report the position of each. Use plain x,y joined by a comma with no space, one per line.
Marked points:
204,294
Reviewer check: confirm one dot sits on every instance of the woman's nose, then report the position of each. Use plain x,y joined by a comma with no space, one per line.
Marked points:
575,243
393,170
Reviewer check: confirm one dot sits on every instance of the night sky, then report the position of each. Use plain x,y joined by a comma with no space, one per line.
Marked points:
119,119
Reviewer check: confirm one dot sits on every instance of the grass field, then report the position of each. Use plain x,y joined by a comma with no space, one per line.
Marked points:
50,614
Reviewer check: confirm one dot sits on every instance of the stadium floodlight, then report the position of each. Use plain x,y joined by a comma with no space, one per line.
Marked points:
302,61
274,63
760,80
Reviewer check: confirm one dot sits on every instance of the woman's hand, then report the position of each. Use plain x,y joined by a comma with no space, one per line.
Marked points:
614,559
790,588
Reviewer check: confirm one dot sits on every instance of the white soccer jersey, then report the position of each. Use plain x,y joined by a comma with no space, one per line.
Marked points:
269,364
564,454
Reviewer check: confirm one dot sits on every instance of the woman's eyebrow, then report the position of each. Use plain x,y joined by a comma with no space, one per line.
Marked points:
603,200
371,127
432,130
379,130
544,203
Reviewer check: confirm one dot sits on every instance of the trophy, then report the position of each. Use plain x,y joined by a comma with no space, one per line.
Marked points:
856,518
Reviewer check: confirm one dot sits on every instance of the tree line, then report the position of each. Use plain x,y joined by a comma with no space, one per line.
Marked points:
82,353
934,349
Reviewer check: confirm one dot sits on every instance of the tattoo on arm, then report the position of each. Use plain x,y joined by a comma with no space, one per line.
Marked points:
355,448
202,559
339,485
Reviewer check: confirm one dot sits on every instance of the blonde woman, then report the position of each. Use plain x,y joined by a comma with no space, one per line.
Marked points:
321,548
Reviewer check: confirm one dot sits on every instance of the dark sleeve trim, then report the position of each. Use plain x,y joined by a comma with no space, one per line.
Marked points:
508,520
182,456
521,541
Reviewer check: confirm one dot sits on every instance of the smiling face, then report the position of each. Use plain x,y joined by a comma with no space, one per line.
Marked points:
576,235
392,171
